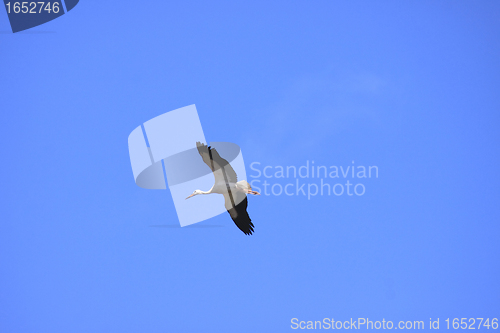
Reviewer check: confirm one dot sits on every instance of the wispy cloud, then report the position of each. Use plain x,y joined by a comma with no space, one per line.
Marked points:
313,109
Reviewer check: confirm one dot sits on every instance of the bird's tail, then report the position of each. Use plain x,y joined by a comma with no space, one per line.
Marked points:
245,186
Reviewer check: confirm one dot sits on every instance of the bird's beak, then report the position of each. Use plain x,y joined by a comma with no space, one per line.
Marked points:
192,195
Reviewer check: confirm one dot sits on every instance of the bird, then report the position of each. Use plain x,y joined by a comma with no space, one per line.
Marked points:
226,183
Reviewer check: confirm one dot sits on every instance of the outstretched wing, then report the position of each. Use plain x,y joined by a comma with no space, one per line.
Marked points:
237,208
235,201
216,163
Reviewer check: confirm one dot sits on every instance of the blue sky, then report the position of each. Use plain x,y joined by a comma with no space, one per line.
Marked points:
411,87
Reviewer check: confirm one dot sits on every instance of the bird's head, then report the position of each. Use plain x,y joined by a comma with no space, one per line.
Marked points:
194,193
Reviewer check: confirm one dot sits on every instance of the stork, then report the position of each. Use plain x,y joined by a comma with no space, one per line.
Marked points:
226,183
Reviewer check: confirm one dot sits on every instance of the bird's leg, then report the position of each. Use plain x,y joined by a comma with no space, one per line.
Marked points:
253,192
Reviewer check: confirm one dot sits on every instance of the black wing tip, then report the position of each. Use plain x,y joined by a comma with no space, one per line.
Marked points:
248,231
203,146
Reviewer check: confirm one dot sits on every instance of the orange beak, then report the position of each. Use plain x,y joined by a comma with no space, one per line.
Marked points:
192,195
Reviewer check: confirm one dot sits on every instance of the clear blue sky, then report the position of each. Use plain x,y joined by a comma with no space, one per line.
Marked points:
411,87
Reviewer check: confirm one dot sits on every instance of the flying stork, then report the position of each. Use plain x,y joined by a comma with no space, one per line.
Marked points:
226,183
